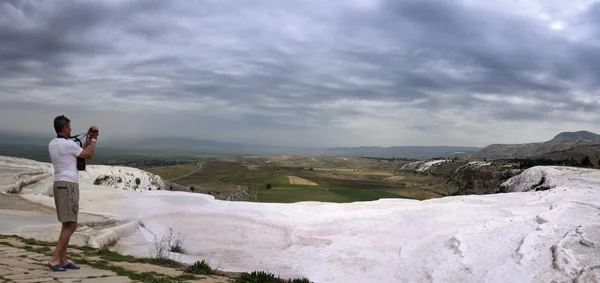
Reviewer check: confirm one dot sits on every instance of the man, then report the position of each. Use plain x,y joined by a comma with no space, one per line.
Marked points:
64,154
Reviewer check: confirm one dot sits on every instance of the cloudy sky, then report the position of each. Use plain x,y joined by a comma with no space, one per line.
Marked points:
304,72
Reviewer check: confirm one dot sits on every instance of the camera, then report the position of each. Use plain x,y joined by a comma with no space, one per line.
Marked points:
90,131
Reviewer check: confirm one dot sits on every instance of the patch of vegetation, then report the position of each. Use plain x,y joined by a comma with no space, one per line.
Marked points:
100,180
366,195
111,256
177,248
166,244
264,277
35,242
376,176
170,172
142,277
41,250
525,163
200,267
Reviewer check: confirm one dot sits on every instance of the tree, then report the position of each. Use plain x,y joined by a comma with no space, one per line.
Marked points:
192,188
586,162
268,186
573,162
599,162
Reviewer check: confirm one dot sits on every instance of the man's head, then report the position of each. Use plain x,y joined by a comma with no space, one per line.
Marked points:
62,126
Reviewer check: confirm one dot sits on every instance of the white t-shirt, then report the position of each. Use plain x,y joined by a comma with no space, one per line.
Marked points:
63,154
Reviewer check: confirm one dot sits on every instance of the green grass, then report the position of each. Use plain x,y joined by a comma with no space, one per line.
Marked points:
152,277
41,250
366,195
264,277
289,196
279,180
116,257
200,267
297,187
170,172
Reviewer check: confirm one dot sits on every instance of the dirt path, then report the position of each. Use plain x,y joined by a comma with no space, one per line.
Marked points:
200,164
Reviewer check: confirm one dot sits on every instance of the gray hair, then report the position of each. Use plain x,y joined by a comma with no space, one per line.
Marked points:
60,122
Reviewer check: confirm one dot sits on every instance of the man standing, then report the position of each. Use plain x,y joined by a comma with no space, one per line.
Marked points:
64,154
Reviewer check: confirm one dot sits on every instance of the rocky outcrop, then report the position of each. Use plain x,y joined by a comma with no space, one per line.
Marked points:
467,178
479,178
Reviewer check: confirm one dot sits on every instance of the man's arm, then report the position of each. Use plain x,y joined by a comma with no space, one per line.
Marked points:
88,152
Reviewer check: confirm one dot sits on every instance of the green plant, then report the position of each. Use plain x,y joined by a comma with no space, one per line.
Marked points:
264,277
200,267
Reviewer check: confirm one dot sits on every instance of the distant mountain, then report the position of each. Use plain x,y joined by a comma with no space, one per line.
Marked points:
182,145
231,148
561,142
577,136
404,151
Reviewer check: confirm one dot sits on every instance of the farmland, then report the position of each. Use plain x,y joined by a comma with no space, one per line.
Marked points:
294,179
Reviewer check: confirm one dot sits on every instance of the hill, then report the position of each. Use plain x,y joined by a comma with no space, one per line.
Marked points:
561,142
576,154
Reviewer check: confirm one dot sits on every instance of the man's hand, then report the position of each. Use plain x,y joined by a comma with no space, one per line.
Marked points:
94,135
90,135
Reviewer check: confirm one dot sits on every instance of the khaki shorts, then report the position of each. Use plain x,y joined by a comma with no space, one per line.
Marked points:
66,199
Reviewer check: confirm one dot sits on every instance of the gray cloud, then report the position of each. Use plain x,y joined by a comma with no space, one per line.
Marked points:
304,72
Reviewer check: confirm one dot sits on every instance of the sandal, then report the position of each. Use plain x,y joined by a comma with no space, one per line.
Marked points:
71,266
57,267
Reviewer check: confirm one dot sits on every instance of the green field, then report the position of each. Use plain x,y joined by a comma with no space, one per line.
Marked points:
338,187
170,172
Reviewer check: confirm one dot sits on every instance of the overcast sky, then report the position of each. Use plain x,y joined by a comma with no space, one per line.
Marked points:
311,72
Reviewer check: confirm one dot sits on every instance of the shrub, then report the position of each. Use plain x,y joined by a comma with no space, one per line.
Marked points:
167,243
586,162
200,267
176,247
137,181
100,180
263,277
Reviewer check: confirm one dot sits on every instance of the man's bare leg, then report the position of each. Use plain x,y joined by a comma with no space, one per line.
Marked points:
72,226
60,251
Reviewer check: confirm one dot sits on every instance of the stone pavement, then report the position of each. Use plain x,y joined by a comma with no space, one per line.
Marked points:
19,264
